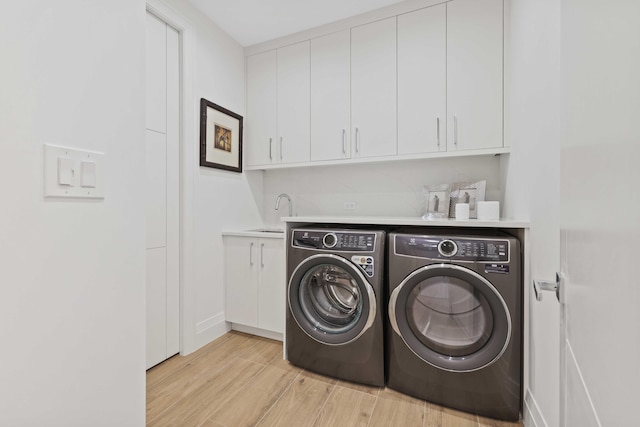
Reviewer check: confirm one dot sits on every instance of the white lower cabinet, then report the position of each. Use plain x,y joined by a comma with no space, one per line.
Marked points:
255,282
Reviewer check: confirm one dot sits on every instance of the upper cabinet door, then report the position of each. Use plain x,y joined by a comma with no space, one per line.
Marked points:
293,103
330,103
373,89
260,124
422,77
474,74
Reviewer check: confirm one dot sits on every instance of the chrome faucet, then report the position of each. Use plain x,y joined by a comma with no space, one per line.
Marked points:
286,196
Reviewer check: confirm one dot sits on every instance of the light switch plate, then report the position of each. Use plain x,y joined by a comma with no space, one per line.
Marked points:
69,172
66,171
88,174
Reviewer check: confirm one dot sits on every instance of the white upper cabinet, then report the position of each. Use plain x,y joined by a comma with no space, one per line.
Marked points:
422,77
330,102
416,85
474,74
277,125
293,103
260,124
373,89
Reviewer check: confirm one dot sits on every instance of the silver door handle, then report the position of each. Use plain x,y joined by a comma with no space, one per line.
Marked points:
357,140
280,148
344,141
251,254
270,143
438,130
262,255
547,285
455,130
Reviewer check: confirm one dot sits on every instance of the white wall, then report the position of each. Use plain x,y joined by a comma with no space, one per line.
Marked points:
531,176
222,200
72,272
391,189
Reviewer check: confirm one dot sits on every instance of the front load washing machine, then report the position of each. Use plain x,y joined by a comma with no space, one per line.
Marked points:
455,320
335,321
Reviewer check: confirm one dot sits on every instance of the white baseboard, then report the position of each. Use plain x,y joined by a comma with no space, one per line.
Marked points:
531,412
210,329
256,331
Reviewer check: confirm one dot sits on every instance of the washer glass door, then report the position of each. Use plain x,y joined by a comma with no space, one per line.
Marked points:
450,317
330,299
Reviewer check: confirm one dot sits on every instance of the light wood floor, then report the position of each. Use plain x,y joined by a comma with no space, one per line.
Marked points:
241,380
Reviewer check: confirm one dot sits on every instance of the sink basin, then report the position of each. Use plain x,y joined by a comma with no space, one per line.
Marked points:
268,230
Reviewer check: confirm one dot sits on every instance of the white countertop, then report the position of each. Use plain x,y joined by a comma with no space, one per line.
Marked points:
415,221
267,233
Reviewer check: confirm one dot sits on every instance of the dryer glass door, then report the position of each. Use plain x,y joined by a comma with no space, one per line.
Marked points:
450,317
331,300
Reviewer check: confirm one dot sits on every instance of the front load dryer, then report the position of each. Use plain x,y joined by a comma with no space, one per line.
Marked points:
335,323
455,320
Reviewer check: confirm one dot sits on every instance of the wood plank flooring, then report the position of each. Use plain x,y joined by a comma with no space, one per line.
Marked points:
241,380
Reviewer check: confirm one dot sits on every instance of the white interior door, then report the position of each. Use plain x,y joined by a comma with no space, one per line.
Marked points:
162,184
600,203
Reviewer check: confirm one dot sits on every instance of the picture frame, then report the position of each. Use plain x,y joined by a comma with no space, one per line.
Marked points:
467,192
436,201
220,137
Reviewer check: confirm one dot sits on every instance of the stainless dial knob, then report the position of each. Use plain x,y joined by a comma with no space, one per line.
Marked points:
447,248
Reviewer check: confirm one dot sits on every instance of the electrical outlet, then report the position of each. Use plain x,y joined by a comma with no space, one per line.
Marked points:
349,206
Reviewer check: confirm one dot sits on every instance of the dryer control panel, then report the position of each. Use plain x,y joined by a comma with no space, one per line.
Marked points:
349,241
453,248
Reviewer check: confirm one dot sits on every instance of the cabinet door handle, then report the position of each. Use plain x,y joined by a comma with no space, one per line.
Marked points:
270,144
455,130
438,130
357,140
344,141
262,255
251,254
280,148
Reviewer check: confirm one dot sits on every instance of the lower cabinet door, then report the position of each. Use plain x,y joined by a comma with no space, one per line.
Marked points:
271,285
241,280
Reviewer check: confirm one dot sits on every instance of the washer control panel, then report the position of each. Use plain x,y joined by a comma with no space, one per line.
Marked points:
346,241
365,263
453,248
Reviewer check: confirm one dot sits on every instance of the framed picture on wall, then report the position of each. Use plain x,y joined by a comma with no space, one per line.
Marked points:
467,192
220,137
436,201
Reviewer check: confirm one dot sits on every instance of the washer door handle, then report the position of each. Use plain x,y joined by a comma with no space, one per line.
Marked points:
392,310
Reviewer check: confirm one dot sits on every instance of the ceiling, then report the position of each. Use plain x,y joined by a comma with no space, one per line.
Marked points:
254,21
